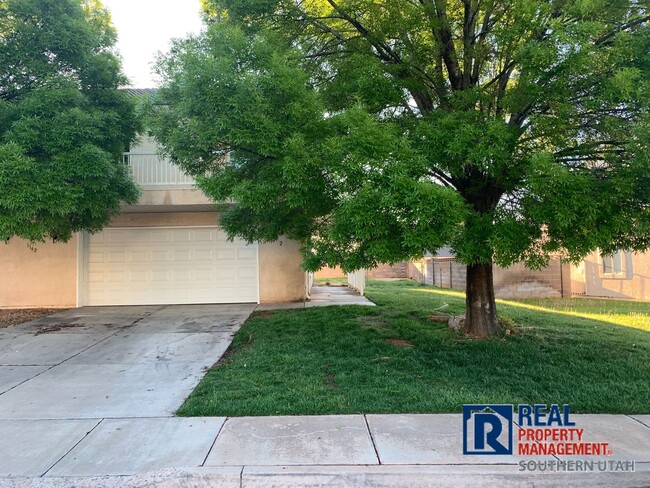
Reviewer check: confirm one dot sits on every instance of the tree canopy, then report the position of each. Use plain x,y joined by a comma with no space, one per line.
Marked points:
373,132
63,123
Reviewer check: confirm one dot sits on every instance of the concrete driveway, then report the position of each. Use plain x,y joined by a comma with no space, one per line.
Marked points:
99,362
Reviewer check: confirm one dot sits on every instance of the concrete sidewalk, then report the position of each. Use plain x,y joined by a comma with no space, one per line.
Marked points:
343,450
322,296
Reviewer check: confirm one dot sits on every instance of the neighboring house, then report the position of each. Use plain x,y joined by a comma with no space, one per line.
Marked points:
167,249
624,275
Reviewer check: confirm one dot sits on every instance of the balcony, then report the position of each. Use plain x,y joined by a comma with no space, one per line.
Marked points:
151,172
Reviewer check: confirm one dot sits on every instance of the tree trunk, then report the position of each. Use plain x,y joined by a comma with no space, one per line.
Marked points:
481,315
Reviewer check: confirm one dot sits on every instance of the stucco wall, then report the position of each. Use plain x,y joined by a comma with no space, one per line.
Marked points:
144,144
46,277
172,196
634,283
165,219
282,278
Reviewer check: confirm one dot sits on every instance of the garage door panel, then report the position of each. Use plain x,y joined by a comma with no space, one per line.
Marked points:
181,255
205,235
246,254
204,275
182,235
138,256
204,255
225,274
246,273
116,257
160,275
139,276
160,256
169,265
226,254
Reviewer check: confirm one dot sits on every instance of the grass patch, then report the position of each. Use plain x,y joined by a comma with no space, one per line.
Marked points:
331,281
592,354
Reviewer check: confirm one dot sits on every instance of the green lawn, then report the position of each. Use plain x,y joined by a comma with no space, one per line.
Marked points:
592,354
331,281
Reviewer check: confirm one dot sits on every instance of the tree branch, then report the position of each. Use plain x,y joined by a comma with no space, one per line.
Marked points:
446,44
628,25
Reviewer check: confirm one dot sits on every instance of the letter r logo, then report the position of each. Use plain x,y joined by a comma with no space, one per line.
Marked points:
487,429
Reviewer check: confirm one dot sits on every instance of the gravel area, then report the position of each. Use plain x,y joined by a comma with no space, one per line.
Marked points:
15,316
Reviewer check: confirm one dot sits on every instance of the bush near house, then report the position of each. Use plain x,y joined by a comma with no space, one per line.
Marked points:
591,354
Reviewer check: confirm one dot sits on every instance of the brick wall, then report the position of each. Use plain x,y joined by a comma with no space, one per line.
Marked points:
513,282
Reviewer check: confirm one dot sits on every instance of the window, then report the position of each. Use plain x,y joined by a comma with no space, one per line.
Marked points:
614,264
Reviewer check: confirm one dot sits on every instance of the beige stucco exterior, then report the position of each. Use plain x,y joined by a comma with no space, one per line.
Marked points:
44,275
170,196
165,219
282,278
632,283
47,277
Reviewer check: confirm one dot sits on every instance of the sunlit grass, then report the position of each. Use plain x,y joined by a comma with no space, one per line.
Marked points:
618,312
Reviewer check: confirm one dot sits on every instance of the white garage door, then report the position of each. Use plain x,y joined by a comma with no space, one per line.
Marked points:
147,266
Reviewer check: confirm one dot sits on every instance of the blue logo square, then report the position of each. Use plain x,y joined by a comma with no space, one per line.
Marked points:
487,429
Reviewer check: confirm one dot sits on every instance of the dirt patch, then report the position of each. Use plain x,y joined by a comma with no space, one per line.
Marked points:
399,342
227,356
330,381
46,329
15,316
265,313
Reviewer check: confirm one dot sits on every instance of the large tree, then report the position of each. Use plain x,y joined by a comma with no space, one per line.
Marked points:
375,131
63,122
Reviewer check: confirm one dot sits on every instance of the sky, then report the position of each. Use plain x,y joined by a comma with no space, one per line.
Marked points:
145,27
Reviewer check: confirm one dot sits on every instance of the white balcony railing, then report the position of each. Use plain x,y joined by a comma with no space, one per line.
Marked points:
151,171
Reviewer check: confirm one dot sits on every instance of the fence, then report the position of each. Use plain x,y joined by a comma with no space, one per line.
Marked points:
515,281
